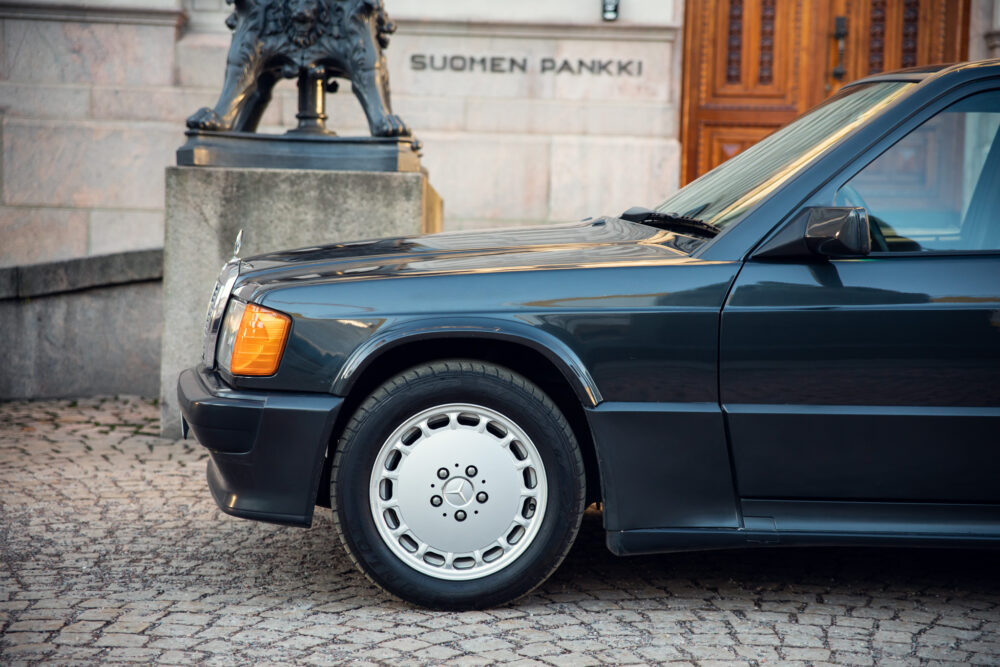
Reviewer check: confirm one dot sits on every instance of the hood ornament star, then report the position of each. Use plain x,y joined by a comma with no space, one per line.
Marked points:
238,244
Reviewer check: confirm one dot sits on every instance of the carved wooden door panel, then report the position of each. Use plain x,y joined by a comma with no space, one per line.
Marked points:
751,66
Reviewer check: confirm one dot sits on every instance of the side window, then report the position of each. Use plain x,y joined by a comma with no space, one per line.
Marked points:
938,188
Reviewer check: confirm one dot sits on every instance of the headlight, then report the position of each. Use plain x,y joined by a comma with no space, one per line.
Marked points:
227,334
252,339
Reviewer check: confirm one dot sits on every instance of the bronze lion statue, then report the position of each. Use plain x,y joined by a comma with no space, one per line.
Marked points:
274,39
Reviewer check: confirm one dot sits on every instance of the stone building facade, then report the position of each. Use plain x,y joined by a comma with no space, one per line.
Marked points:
529,112
984,37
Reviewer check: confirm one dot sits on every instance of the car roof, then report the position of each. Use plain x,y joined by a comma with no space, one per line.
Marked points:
924,72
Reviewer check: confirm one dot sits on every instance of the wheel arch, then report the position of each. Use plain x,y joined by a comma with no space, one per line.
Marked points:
555,351
553,367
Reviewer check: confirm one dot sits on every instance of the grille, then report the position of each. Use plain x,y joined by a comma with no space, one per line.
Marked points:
216,308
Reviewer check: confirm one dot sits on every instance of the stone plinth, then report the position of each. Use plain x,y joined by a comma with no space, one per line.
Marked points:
299,151
276,209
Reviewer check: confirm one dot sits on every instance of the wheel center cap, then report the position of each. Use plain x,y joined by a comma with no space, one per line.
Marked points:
458,492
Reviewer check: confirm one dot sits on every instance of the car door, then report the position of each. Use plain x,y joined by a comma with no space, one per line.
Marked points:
878,378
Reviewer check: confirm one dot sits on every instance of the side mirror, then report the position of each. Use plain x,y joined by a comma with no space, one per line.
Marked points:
832,231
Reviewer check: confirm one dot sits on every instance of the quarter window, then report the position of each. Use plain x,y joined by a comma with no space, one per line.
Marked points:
938,188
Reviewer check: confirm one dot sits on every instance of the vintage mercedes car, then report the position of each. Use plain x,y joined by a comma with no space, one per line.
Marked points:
802,347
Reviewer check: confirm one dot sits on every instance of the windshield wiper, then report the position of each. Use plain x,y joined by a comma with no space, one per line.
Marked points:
669,221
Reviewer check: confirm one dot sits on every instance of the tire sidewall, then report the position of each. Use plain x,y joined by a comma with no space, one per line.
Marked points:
542,423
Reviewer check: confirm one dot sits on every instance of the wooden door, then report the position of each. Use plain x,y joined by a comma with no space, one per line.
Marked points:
751,66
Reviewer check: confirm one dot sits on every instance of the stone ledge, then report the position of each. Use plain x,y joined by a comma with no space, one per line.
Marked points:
605,32
159,12
34,280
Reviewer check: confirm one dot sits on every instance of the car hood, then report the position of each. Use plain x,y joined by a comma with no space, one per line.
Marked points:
596,243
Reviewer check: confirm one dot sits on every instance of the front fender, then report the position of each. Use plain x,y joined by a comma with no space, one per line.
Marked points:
410,331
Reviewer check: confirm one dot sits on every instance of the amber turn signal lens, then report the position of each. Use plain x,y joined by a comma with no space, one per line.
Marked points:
259,341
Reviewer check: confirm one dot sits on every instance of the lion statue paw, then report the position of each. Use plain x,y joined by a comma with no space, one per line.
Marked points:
206,119
391,125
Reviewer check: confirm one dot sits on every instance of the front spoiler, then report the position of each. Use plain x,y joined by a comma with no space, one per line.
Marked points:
266,450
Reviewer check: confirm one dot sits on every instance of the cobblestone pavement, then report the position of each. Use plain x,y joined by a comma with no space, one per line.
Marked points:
111,550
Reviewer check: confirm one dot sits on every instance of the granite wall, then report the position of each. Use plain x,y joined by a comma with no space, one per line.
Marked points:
84,141
94,94
82,327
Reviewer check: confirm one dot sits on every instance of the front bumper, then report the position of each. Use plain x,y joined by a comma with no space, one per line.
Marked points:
267,449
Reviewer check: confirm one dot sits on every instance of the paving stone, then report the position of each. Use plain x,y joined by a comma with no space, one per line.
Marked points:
172,630
324,631
34,626
12,652
180,657
573,660
806,654
710,652
25,638
98,614
437,653
300,642
762,654
83,626
173,643
121,640
73,638
406,644
131,654
112,551
73,654
187,619
844,658
131,627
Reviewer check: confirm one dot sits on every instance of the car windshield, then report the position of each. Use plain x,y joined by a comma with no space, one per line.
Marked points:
724,194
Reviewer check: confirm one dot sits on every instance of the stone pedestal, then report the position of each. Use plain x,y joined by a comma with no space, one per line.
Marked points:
276,209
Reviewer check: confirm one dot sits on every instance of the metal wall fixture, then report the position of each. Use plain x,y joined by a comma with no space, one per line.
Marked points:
609,10
840,36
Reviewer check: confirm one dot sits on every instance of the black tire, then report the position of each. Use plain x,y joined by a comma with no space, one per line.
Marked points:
445,383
